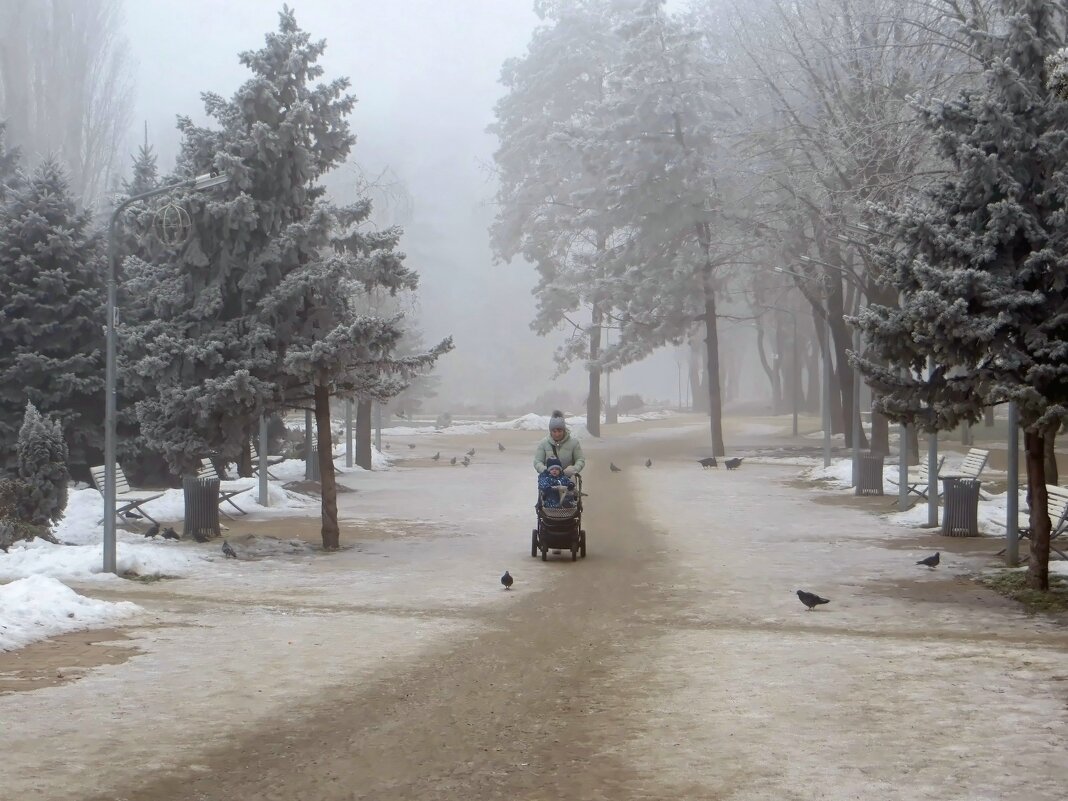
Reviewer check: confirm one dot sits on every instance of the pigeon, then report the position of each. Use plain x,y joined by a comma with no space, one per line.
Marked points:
132,516
507,580
387,446
411,446
466,461
931,561
170,534
471,452
436,456
500,447
153,530
452,460
648,462
228,551
707,462
613,468
810,599
733,464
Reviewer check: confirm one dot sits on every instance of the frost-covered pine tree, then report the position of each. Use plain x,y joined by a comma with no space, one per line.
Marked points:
51,299
337,340
981,257
42,460
213,350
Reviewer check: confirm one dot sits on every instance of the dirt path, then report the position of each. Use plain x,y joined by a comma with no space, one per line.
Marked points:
528,709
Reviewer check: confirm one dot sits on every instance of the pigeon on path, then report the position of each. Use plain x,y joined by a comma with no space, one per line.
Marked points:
707,462
153,530
733,464
613,468
411,446
436,456
228,550
507,580
471,452
170,534
467,461
500,447
931,561
648,462
452,460
810,599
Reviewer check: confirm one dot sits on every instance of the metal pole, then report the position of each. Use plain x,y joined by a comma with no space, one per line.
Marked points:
903,467
856,408
1012,506
932,467
827,393
378,427
109,565
264,496
348,433
796,374
307,445
679,364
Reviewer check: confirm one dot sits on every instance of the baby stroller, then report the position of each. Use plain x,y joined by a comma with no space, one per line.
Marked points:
560,528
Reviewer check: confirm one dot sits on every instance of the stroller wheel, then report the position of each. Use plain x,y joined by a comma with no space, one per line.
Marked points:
534,542
574,553
545,554
582,543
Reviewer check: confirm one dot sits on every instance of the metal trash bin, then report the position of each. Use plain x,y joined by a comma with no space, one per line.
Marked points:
960,515
870,474
201,507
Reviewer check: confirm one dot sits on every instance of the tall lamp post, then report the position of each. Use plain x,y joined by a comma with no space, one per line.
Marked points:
201,182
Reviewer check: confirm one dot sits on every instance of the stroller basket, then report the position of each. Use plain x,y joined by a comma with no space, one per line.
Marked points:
553,513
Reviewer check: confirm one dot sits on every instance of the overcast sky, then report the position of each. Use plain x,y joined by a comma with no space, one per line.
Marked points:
425,74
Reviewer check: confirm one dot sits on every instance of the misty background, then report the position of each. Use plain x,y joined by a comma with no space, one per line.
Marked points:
426,77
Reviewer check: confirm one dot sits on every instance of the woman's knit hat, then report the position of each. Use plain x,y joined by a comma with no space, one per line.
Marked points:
557,420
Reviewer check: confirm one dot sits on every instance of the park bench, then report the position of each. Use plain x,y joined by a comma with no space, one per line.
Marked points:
127,499
1057,508
227,489
270,461
971,467
918,477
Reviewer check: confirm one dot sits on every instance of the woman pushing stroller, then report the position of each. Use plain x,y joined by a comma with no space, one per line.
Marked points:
563,449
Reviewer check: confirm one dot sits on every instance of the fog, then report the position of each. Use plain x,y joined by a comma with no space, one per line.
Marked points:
426,77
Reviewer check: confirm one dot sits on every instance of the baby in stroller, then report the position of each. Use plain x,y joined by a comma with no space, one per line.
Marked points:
557,491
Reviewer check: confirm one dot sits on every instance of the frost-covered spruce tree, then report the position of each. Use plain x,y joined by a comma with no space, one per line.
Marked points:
981,258
42,459
338,341
51,299
213,352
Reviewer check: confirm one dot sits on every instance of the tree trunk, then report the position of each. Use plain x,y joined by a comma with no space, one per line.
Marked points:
593,399
913,437
712,352
1038,565
772,372
244,461
327,482
1052,474
363,433
880,434
988,417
